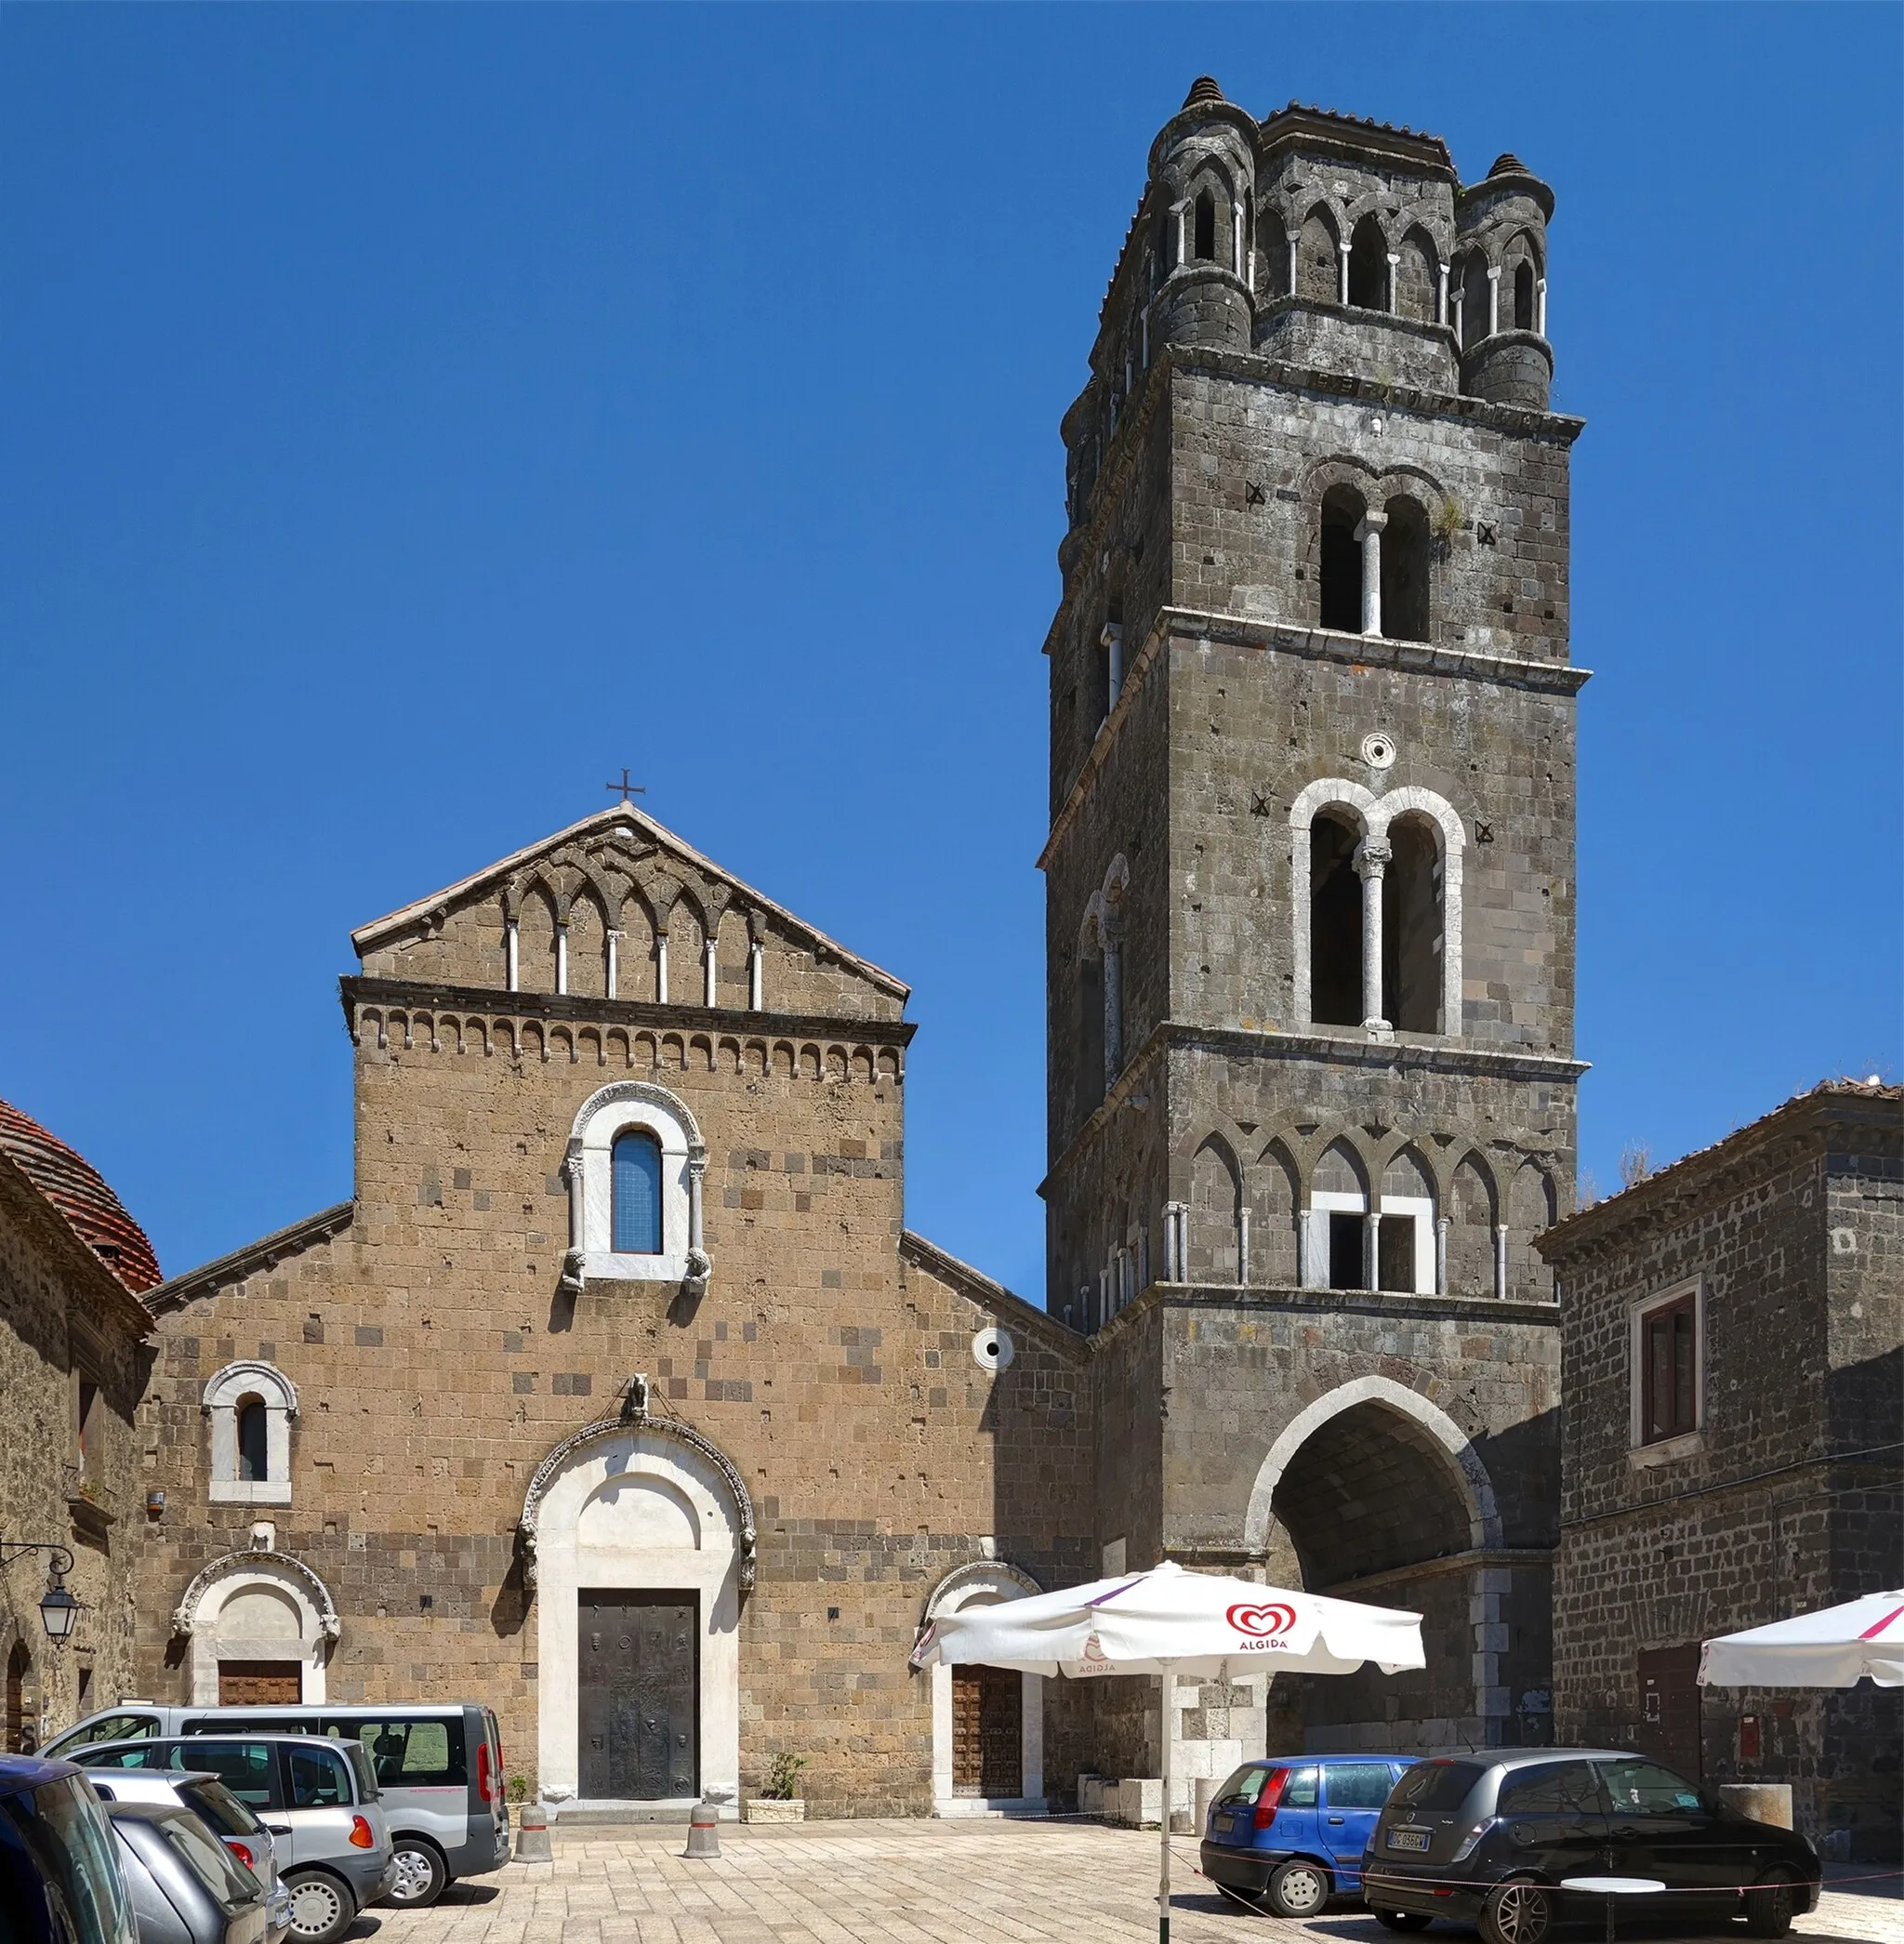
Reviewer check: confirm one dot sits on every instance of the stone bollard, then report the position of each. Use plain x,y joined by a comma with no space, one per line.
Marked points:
1762,1801
532,1835
704,1831
1207,1786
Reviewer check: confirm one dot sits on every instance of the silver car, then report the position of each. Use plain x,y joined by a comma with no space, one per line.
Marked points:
186,1886
319,1800
221,1812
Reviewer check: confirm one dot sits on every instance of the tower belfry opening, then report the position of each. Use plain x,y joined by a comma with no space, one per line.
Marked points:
1341,560
1335,923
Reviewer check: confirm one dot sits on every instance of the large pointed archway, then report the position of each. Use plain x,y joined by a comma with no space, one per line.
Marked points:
1373,1492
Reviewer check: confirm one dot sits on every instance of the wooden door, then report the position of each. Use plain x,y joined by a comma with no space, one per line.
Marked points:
1669,1725
249,1684
987,1732
637,1689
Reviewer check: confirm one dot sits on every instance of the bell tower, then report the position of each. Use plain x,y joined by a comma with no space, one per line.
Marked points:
1310,870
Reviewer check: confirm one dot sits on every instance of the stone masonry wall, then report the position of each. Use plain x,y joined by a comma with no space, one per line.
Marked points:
437,1362
1794,1228
62,1317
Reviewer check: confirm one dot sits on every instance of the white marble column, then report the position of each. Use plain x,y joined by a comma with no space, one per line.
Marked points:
1371,862
1493,298
614,972
1441,293
1395,283
511,956
1236,239
1372,1248
1369,532
1540,306
1295,246
661,968
1243,1245
1113,639
1304,1275
755,956
1500,1261
1441,1256
1342,274
561,958
711,983
697,1167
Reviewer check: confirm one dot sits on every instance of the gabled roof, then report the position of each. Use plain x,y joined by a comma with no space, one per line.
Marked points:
617,816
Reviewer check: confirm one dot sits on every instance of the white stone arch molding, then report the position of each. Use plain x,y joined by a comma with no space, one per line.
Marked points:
1374,815
1471,1475
984,1582
220,1400
632,1505
256,1605
607,1113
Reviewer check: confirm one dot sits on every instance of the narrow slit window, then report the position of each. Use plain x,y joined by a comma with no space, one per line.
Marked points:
1205,227
254,1445
636,1194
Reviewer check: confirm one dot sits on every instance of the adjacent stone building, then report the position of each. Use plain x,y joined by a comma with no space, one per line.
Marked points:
72,1365
1733,1450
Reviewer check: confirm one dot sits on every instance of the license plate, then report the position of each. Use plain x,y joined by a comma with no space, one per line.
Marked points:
1407,1839
1227,1823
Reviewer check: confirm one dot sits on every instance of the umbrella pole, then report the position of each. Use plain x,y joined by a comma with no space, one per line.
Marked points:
1163,1881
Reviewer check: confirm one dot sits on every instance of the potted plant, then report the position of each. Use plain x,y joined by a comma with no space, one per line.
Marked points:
781,1801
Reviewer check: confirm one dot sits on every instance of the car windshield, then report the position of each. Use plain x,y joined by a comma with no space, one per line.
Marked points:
1437,1787
222,1874
1244,1787
67,1836
219,1807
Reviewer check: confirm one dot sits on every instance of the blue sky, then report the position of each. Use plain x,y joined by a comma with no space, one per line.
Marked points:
412,414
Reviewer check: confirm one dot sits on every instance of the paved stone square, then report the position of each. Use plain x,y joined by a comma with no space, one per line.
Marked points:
899,1882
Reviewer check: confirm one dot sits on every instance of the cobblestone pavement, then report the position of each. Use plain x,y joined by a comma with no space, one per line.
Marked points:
901,1883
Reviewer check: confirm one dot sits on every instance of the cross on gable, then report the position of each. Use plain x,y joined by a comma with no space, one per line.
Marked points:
627,788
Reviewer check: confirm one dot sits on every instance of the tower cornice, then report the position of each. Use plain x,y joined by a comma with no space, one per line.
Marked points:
1312,644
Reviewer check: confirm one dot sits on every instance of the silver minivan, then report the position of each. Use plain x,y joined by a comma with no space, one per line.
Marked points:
319,1800
438,1767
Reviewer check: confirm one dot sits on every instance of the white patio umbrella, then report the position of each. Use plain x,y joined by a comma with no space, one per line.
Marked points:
1168,1622
1834,1647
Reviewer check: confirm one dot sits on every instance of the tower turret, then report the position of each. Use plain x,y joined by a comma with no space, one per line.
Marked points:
1500,286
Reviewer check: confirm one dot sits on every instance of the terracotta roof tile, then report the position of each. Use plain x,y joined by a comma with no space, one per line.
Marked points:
78,1190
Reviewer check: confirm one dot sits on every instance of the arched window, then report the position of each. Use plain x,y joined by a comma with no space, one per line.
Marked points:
1317,264
1341,560
1335,923
1206,227
1524,296
635,1175
250,1406
1338,1222
1368,266
253,1462
1474,319
1405,555
1411,926
1417,278
1272,255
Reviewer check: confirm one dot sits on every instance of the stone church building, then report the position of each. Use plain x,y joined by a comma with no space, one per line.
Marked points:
620,1374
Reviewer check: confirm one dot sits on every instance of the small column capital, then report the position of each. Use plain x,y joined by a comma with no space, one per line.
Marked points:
1371,523
1371,857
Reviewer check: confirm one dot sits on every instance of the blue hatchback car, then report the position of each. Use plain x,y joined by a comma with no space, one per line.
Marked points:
1291,1829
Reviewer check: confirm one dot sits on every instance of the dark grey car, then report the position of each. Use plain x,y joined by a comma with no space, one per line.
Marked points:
186,1886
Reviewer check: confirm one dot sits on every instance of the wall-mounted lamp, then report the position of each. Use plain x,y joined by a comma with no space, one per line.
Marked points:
59,1609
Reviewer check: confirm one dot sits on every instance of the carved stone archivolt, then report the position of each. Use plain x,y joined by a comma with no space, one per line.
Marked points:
258,1564
639,1424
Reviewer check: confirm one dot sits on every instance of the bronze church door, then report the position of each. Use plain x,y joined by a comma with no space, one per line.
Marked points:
637,1693
987,1732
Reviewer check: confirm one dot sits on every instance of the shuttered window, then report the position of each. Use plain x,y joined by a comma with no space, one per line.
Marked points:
1668,1368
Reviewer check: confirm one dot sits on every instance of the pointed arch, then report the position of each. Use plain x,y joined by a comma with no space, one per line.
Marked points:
1471,1218
1318,258
1272,255
1418,277
1216,1203
1276,1203
1368,266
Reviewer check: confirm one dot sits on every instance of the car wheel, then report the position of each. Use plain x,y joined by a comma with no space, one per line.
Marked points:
1516,1913
1297,1889
416,1875
1769,1909
1403,1920
322,1909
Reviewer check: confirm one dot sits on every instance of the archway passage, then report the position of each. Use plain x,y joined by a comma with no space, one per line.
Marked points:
1371,1496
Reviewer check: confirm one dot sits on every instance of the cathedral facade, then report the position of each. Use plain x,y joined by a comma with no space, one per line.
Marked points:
620,1372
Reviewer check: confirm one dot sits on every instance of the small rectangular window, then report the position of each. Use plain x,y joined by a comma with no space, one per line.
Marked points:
1668,1370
